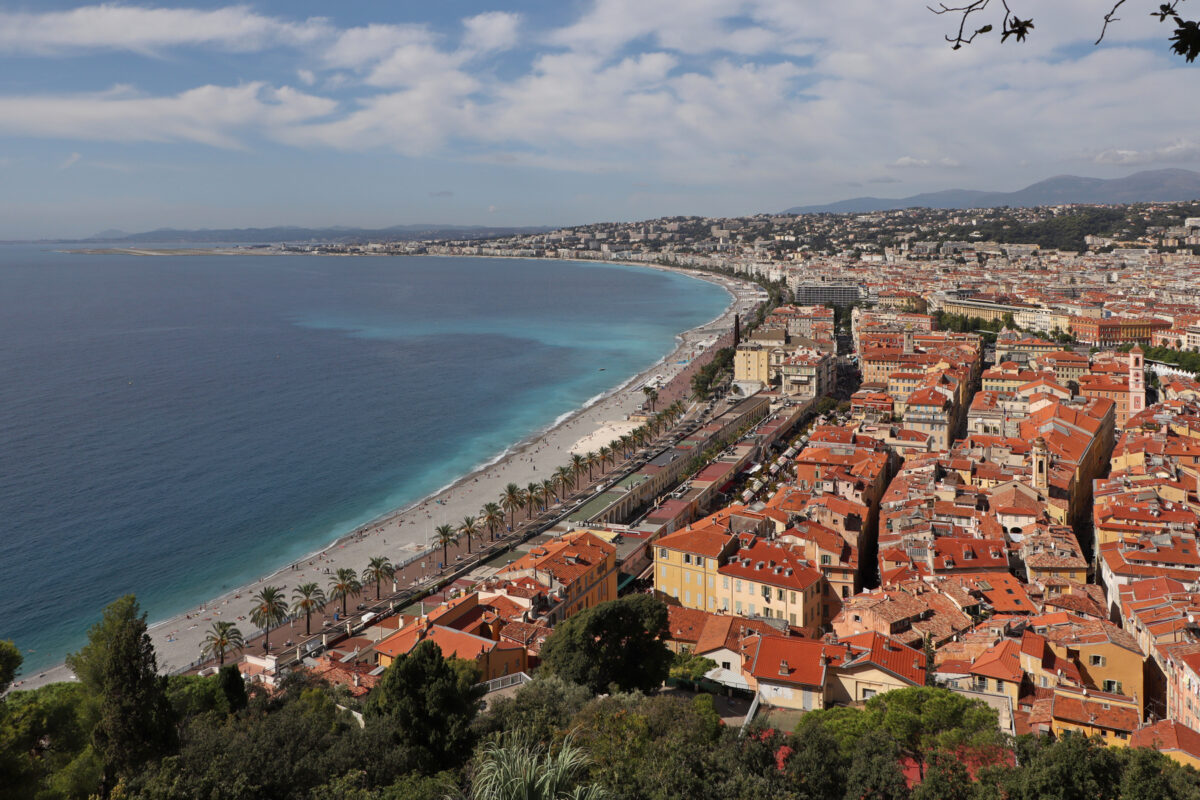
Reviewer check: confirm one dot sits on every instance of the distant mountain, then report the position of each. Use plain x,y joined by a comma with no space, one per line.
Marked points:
1163,185
335,234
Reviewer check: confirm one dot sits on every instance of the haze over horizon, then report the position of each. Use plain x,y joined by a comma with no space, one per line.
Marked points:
214,115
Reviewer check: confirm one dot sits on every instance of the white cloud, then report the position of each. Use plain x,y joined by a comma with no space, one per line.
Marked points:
356,48
756,97
490,32
70,161
906,162
148,30
212,115
1181,150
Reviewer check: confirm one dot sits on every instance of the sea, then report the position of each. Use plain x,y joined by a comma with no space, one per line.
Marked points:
175,426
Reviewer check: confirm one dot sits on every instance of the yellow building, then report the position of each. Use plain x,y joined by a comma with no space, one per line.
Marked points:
1108,658
1109,717
752,363
771,580
713,570
686,565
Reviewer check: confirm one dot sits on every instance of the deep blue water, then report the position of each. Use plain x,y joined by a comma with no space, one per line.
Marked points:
174,427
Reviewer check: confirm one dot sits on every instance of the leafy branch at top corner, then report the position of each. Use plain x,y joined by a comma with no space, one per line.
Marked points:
1186,39
1012,25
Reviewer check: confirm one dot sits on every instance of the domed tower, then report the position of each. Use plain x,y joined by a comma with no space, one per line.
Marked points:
1041,465
1137,380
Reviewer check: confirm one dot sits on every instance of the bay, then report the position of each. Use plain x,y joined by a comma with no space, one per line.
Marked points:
176,426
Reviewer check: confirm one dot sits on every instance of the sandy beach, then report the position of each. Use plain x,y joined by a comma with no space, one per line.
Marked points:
407,532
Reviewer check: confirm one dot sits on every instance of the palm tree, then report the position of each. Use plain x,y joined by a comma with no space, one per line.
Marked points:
604,453
445,536
469,528
344,585
651,395
532,495
307,598
270,608
512,769
640,436
564,478
624,440
376,570
549,489
578,465
511,501
591,459
222,638
493,518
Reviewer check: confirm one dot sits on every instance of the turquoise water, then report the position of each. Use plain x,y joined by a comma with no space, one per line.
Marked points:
175,427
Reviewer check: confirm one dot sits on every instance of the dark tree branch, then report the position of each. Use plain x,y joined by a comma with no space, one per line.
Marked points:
1111,16
966,11
1185,40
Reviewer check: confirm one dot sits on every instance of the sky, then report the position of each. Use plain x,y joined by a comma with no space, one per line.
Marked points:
556,112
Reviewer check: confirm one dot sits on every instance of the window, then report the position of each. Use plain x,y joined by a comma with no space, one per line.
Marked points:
753,611
725,665
687,576
699,561
711,581
725,582
779,594
793,597
825,560
738,585
750,587
738,607
664,570
845,592
1097,661
792,618
687,558
687,597
662,552
1113,687
868,694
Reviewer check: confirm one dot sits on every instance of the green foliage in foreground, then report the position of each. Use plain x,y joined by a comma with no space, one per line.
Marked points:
423,736
616,645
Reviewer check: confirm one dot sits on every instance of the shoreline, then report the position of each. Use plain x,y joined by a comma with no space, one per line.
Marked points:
403,533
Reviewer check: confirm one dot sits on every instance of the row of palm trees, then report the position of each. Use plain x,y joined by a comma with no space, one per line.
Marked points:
272,609
540,496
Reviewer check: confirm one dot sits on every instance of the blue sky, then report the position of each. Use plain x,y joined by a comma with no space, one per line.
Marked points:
377,113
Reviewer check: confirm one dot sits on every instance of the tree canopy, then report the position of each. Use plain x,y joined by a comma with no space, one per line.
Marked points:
616,644
427,704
